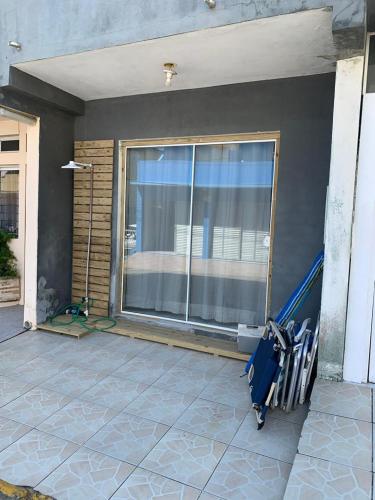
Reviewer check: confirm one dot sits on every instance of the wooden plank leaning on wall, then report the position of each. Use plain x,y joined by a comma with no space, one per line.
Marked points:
100,154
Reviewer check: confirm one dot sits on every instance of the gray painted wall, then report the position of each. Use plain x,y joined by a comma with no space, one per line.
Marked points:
55,200
49,28
301,108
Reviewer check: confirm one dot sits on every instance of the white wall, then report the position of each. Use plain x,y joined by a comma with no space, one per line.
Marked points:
362,269
339,213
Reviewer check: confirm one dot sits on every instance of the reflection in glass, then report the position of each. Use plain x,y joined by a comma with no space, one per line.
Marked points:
9,179
206,263
156,248
371,67
232,206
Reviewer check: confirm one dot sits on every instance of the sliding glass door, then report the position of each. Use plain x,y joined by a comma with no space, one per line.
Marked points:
158,203
197,232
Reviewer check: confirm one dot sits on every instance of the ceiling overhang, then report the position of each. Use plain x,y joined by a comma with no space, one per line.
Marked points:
284,46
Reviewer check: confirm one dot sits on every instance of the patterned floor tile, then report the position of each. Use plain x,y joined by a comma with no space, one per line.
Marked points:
33,457
67,354
160,405
208,496
78,421
233,368
38,370
128,345
338,439
36,342
142,485
99,339
298,416
278,439
342,399
232,391
103,360
34,406
184,380
185,457
144,370
73,380
114,392
78,354
202,362
86,475
212,420
242,475
312,478
127,437
11,359
11,388
163,353
10,431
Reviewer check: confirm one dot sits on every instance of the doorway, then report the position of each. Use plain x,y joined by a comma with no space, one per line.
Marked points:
198,230
13,190
19,193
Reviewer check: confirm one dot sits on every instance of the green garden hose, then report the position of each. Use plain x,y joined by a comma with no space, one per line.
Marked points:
76,317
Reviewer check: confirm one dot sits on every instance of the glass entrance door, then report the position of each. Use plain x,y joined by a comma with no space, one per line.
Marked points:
197,232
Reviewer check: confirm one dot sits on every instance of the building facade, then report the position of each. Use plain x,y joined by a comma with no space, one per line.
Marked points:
213,195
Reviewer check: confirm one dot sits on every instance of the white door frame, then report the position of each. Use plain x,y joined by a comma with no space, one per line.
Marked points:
31,223
30,126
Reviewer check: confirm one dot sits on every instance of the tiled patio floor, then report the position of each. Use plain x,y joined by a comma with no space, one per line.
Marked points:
335,453
113,417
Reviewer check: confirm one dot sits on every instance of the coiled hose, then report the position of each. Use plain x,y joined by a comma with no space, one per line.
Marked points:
99,324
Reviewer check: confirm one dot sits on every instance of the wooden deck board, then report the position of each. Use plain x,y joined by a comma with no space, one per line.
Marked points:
187,340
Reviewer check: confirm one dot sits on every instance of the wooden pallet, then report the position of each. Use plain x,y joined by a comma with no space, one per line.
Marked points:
186,340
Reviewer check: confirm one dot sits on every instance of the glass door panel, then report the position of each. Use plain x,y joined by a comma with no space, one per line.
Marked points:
9,200
231,233
157,232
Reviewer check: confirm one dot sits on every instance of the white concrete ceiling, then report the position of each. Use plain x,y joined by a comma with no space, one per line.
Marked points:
283,46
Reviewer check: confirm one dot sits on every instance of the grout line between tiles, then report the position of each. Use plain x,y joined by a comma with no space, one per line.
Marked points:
339,416
156,474
334,462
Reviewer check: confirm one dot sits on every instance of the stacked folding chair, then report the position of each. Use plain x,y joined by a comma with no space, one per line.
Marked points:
280,370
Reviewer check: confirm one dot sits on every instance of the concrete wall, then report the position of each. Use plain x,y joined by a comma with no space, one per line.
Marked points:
55,201
301,108
72,26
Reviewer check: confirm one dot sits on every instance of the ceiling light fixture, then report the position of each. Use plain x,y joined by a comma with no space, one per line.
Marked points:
15,45
211,3
170,72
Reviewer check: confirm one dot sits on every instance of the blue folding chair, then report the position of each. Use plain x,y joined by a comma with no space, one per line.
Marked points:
277,370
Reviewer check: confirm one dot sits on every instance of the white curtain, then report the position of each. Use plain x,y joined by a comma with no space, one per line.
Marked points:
231,211
232,201
157,201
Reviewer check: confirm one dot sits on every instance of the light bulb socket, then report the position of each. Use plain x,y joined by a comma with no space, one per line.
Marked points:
170,72
210,3
15,45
